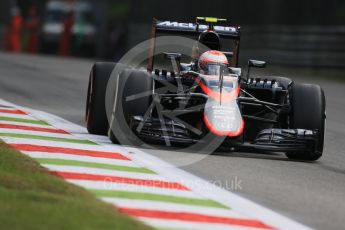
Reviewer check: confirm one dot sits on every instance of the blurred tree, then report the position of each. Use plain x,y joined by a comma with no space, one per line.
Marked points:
119,9
118,14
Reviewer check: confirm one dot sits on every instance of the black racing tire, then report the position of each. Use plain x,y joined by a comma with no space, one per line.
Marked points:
137,82
113,138
96,117
131,82
308,112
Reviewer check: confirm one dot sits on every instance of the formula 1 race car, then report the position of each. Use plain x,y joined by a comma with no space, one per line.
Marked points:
205,96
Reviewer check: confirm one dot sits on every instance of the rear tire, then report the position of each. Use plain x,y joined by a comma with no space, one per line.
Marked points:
308,112
96,117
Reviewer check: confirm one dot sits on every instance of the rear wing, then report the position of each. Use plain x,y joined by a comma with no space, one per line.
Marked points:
217,25
195,28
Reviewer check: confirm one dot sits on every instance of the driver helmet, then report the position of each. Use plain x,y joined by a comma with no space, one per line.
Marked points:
211,61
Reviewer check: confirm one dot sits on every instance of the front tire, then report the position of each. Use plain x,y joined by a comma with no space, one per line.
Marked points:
308,112
135,83
96,117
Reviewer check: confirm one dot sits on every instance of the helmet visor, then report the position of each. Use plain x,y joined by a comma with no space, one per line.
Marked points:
216,69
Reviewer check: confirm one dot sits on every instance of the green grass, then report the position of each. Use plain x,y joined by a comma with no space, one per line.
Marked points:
31,198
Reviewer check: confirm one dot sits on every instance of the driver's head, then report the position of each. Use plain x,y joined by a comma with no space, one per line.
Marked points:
210,62
210,39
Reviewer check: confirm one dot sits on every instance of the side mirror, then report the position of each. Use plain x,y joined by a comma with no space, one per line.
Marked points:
255,64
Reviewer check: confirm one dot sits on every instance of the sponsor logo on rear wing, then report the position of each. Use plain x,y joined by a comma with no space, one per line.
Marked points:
192,27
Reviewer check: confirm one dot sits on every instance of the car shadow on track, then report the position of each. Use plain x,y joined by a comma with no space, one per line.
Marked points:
221,152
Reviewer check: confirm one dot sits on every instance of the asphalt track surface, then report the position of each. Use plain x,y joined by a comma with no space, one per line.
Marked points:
310,193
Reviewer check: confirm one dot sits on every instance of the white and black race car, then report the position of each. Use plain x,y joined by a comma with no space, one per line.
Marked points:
207,97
